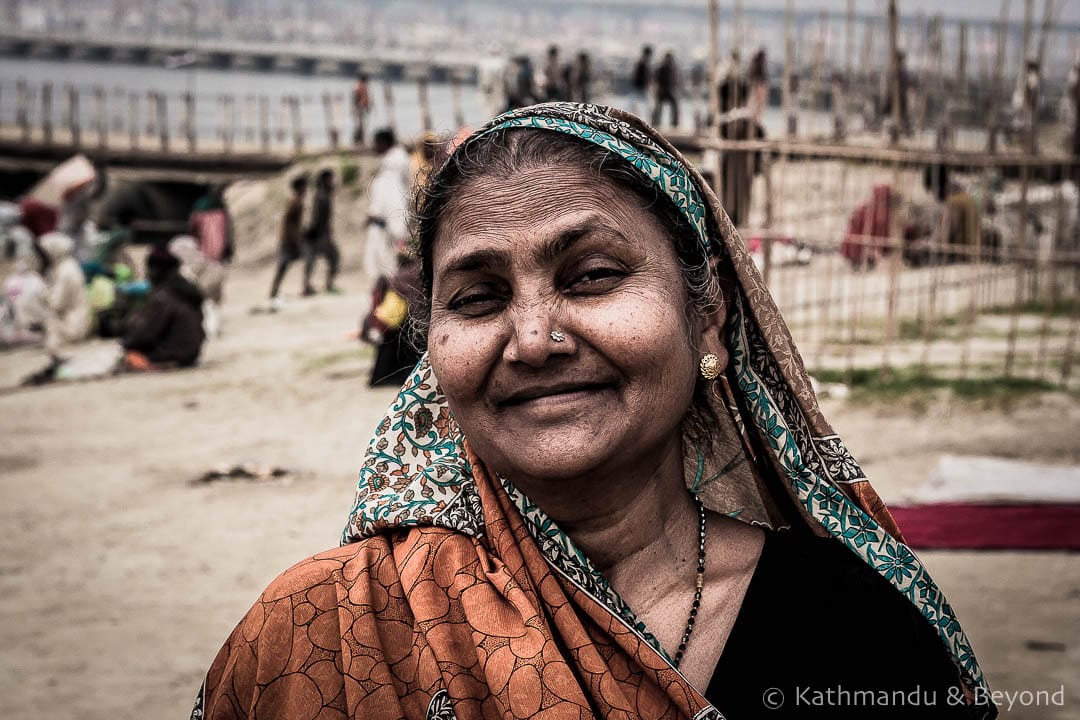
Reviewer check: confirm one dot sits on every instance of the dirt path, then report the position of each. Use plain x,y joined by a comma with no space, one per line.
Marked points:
119,579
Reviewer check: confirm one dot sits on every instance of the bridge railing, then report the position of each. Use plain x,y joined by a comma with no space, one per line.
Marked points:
118,118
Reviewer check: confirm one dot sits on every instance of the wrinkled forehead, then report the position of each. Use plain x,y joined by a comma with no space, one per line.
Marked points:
533,195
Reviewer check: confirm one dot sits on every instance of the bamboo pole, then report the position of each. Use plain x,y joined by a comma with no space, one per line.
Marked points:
297,126
22,108
1014,319
251,118
894,74
1070,347
789,52
425,106
283,118
961,60
228,132
1057,240
328,118
388,100
996,86
46,112
74,124
264,123
133,120
1029,19
151,113
190,119
849,40
455,102
101,120
738,28
714,62
819,61
163,121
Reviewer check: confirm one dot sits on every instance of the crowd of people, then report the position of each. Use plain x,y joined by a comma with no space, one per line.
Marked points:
73,279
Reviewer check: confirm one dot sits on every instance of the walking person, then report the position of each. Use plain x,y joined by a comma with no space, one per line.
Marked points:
388,208
641,82
554,88
319,236
291,248
759,84
667,90
579,78
361,105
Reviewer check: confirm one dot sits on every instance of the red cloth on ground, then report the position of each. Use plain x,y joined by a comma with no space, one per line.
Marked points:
971,526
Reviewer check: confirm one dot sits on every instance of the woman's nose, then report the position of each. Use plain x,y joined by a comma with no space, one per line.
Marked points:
535,337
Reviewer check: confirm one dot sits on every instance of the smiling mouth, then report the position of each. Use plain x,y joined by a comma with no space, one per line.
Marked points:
553,394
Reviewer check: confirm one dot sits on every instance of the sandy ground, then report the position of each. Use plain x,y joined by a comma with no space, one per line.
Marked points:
120,577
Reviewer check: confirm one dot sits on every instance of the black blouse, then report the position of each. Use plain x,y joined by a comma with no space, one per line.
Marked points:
822,635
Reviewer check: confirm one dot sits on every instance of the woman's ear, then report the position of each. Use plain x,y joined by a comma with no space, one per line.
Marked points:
711,333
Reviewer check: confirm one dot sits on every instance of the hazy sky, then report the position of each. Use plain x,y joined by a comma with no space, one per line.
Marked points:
953,8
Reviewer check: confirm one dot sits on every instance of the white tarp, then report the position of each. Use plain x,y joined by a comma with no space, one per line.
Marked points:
975,479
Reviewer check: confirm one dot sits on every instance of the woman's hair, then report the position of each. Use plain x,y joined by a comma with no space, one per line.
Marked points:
506,152
503,153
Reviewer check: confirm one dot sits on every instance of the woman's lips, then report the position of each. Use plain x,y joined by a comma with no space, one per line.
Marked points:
545,396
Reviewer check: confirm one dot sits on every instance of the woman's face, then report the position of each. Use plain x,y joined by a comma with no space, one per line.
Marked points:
557,249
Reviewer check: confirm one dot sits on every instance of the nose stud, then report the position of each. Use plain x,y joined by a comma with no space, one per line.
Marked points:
557,336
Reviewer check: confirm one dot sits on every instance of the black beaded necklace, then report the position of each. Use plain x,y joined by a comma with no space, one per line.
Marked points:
698,585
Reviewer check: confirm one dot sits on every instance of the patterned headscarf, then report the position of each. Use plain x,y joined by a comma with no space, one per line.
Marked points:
774,460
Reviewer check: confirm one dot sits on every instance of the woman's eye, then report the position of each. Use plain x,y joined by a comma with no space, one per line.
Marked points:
597,278
475,301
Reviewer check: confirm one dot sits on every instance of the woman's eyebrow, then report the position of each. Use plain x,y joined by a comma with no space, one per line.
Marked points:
568,237
476,260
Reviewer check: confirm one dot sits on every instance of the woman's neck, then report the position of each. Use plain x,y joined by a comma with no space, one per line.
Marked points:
620,513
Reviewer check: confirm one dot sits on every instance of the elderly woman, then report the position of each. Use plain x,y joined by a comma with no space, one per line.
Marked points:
607,490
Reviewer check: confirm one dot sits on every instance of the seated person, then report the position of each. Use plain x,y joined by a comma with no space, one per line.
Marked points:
167,331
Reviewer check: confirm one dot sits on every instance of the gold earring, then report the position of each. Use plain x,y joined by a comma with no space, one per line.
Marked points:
710,366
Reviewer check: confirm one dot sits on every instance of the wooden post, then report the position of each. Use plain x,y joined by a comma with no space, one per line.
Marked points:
789,58
46,112
766,258
190,119
101,121
264,123
455,102
961,61
1029,18
250,118
819,61
1070,346
894,75
229,131
995,87
297,126
284,110
714,61
22,108
118,120
328,119
1020,251
163,121
1056,239
133,120
849,41
151,113
73,119
425,106
388,100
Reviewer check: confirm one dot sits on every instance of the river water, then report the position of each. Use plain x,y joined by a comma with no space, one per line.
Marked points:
209,85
